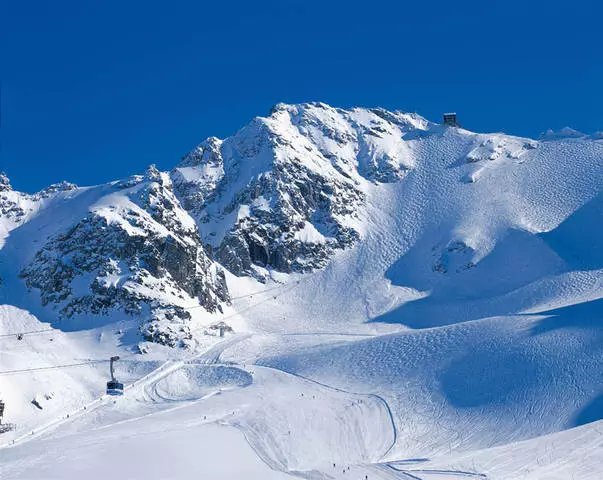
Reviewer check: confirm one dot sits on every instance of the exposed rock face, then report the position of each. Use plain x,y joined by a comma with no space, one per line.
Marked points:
285,191
456,257
13,205
141,249
198,175
16,206
271,233
4,183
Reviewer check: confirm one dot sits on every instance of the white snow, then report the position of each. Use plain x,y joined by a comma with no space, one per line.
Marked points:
185,452
459,338
309,234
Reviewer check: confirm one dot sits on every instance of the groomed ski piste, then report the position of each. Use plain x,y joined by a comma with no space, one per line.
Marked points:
460,337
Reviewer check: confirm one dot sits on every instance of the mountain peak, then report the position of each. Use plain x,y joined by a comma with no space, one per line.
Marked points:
4,183
152,174
285,190
564,133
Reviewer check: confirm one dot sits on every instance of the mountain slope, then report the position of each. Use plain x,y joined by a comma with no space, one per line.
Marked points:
402,220
120,250
285,191
409,300
443,224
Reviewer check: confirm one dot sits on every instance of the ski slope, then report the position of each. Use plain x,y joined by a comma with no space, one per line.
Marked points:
574,453
186,452
468,386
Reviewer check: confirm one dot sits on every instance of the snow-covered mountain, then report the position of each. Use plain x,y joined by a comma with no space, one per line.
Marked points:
286,191
448,216
127,248
439,222
409,300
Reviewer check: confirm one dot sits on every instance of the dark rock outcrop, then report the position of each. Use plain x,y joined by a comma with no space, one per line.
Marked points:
139,253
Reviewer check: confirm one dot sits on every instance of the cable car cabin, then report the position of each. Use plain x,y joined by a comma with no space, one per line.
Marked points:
115,388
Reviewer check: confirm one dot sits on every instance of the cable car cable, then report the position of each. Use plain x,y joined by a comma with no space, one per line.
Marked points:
36,332
51,367
234,314
283,285
92,362
32,332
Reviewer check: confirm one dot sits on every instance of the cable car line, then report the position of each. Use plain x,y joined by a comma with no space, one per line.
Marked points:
294,286
51,367
32,332
92,362
245,296
116,387
261,291
21,334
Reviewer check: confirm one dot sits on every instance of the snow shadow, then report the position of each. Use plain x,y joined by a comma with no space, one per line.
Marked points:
591,413
461,285
490,378
194,381
587,315
578,239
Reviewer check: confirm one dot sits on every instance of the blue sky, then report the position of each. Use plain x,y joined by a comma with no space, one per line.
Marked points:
94,91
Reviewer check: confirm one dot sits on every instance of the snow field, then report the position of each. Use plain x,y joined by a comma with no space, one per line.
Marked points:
467,386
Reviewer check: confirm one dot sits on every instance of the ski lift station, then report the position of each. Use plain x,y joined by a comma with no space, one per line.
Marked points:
450,120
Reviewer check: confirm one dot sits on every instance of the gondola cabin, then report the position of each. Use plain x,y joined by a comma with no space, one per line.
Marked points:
114,387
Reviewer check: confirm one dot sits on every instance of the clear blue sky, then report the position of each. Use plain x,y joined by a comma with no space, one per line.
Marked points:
97,90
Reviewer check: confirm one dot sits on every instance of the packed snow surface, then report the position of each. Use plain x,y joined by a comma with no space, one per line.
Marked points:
407,300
